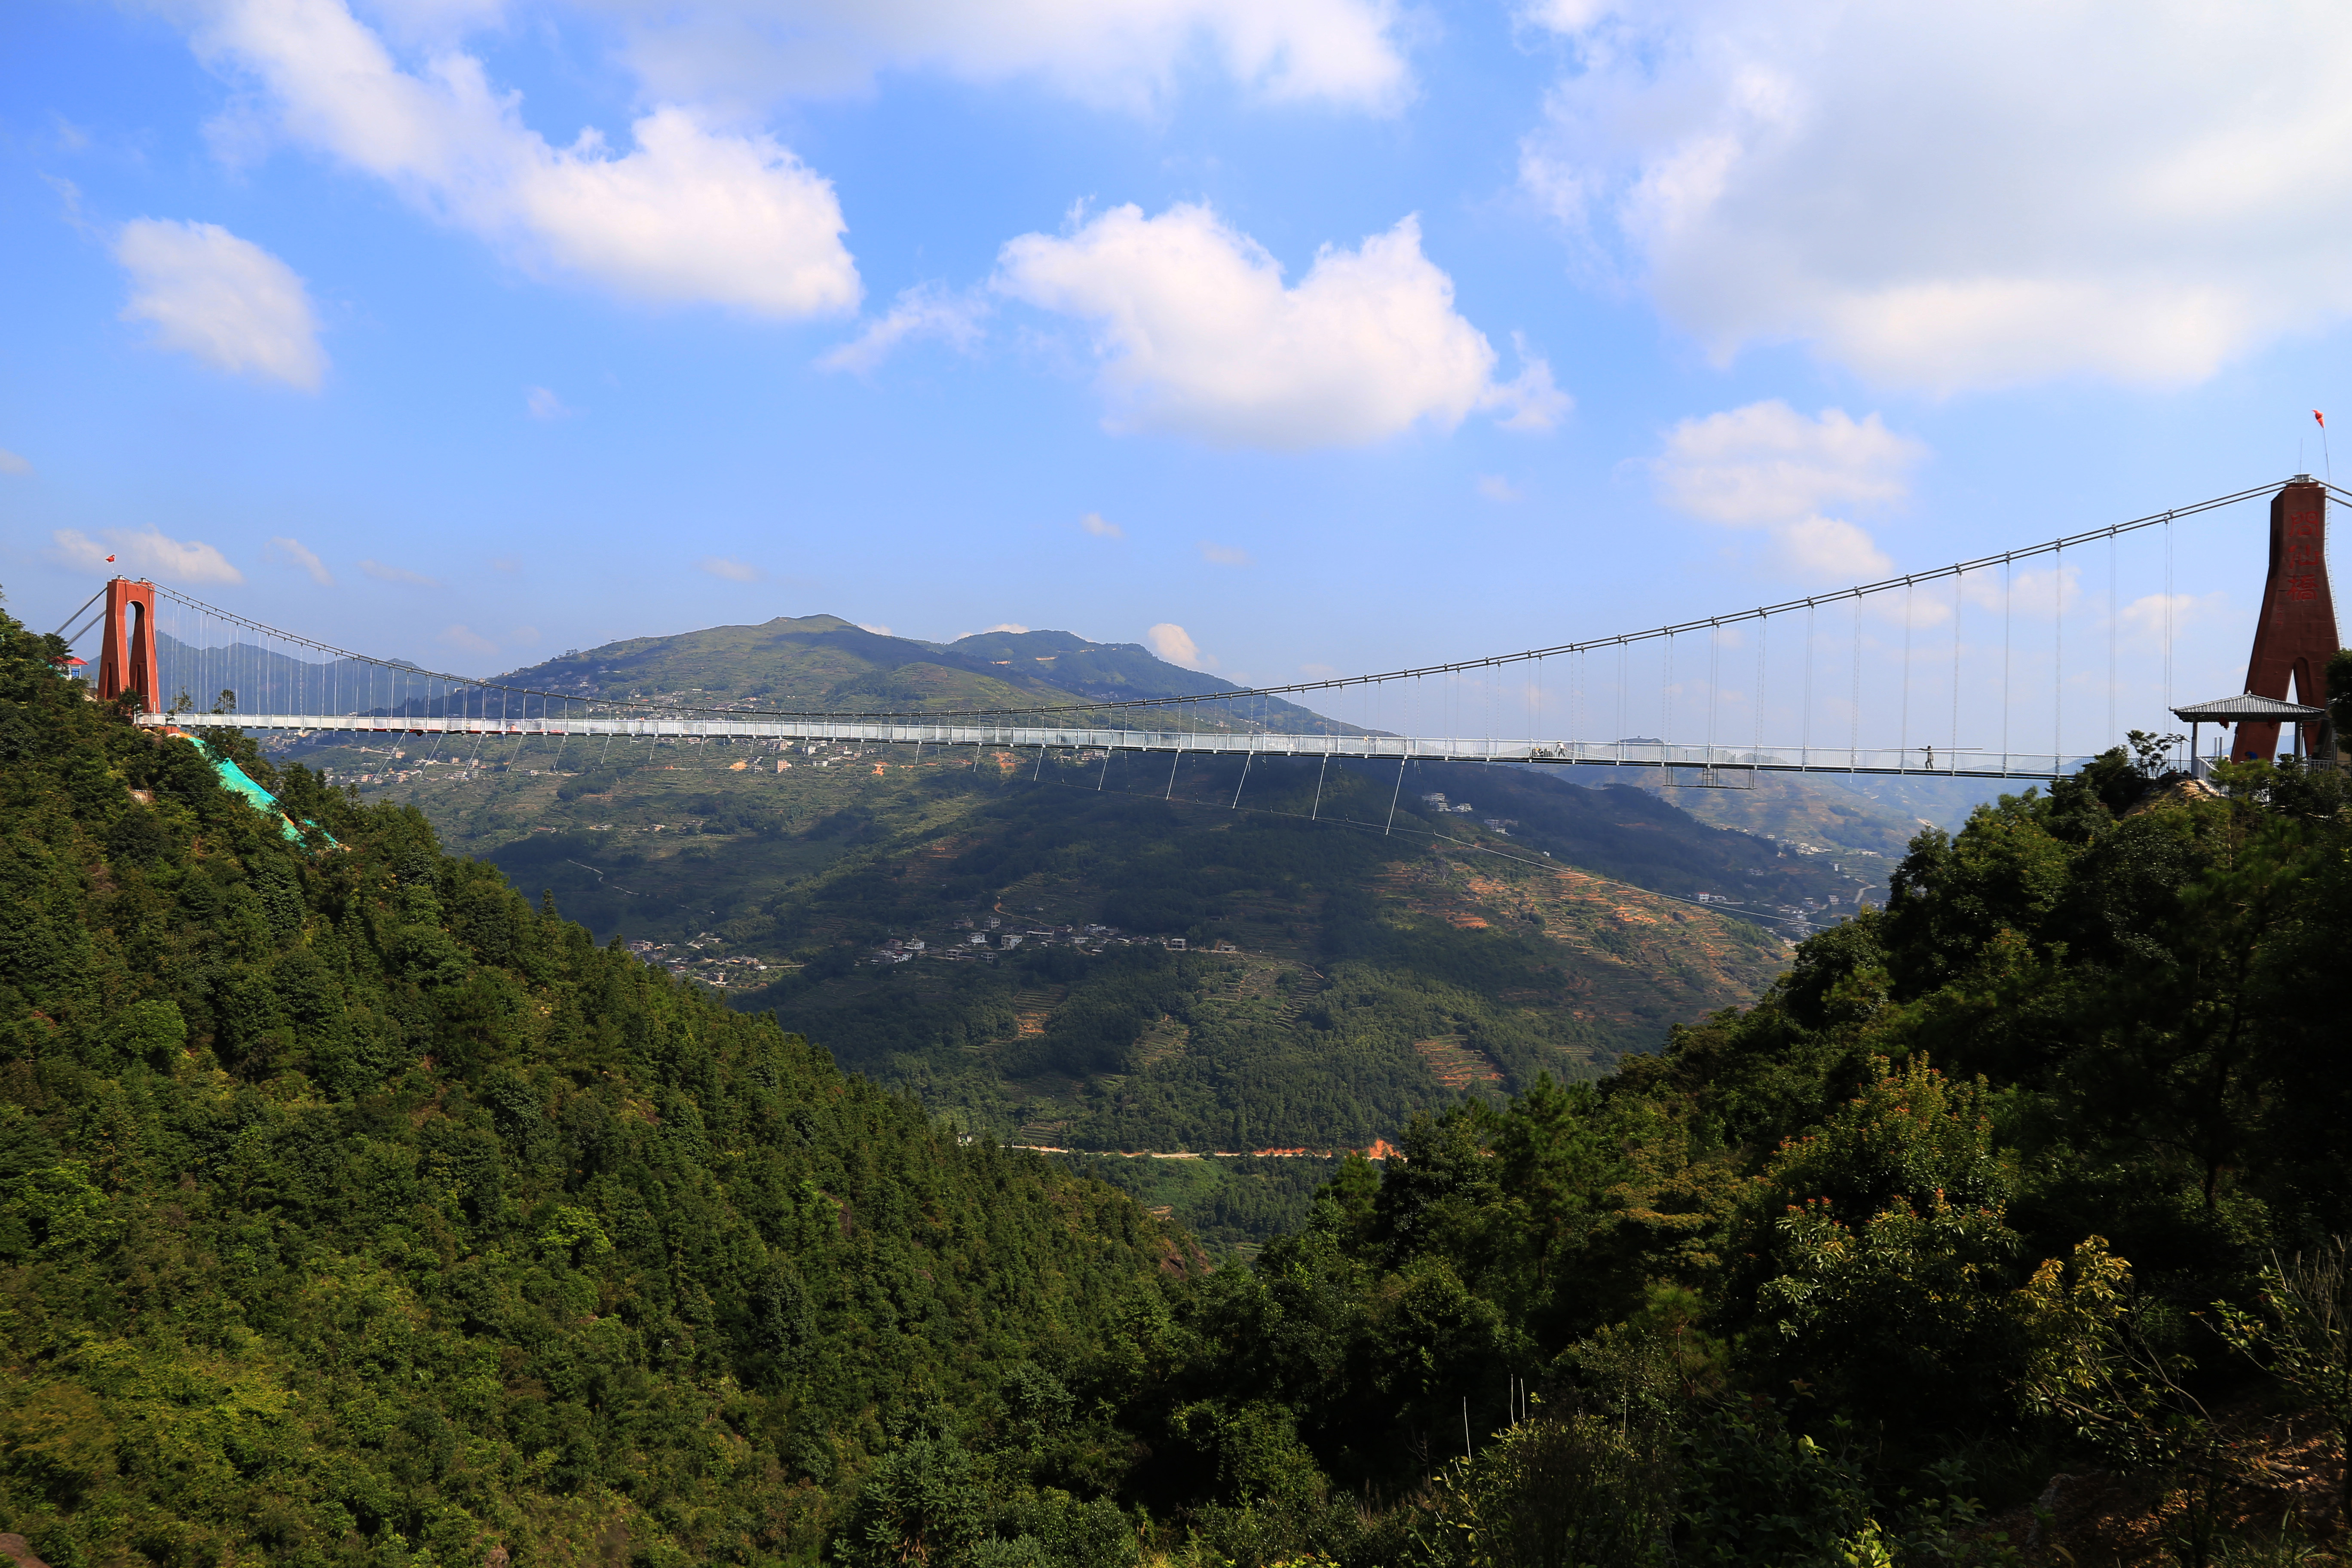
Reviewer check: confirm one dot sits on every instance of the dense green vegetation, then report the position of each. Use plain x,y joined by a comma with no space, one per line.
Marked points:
1348,962
1233,1202
1950,1208
353,1211
1395,954
1378,973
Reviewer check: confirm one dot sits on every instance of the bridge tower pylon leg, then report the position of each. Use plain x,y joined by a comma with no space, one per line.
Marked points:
2295,637
126,658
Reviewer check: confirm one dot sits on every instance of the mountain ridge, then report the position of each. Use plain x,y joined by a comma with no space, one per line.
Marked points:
840,665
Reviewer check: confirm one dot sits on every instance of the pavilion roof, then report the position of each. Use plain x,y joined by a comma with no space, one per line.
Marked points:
2245,708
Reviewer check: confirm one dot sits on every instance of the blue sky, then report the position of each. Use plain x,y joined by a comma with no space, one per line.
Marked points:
1363,333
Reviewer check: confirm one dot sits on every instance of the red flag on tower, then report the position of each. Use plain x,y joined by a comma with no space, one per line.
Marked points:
110,559
2315,413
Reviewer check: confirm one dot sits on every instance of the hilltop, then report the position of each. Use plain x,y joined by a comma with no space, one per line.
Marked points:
823,663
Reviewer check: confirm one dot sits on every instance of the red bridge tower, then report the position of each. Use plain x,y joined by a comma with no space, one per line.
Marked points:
2296,634
126,658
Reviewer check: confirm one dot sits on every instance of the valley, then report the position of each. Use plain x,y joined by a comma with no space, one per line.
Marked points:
1263,966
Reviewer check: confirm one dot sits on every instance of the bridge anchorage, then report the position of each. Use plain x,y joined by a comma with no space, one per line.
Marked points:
1962,672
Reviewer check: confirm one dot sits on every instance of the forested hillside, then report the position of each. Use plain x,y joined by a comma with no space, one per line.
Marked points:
2033,1176
353,1211
1396,942
1374,974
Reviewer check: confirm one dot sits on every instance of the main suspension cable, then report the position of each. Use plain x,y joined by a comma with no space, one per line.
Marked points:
1622,641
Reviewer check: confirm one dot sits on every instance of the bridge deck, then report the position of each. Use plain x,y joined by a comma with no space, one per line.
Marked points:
1928,761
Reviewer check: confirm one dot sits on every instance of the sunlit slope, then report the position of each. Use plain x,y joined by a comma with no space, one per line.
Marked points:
1865,816
1376,971
1373,974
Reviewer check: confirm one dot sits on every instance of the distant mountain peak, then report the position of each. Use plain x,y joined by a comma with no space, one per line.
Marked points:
827,663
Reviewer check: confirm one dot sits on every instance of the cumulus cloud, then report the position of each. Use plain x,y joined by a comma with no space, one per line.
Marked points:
2158,615
1954,198
1529,401
465,639
1125,53
730,568
880,631
1175,643
1000,626
926,311
1765,462
1198,334
1095,524
1225,555
147,552
1829,547
10,463
540,403
2041,593
302,555
224,300
690,214
1766,466
401,574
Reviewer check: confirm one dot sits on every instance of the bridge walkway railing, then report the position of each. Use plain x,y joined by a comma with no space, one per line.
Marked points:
948,735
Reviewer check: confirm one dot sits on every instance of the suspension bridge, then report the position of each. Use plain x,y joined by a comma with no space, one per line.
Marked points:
1960,672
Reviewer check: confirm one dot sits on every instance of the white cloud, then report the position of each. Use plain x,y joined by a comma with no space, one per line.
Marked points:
384,574
1175,643
71,547
733,570
1496,487
147,551
465,639
1766,466
926,311
1225,555
2039,592
1126,53
1958,197
1766,463
1095,524
1000,626
1825,547
224,300
1530,402
10,463
302,555
690,214
2154,615
542,403
878,631
1197,334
